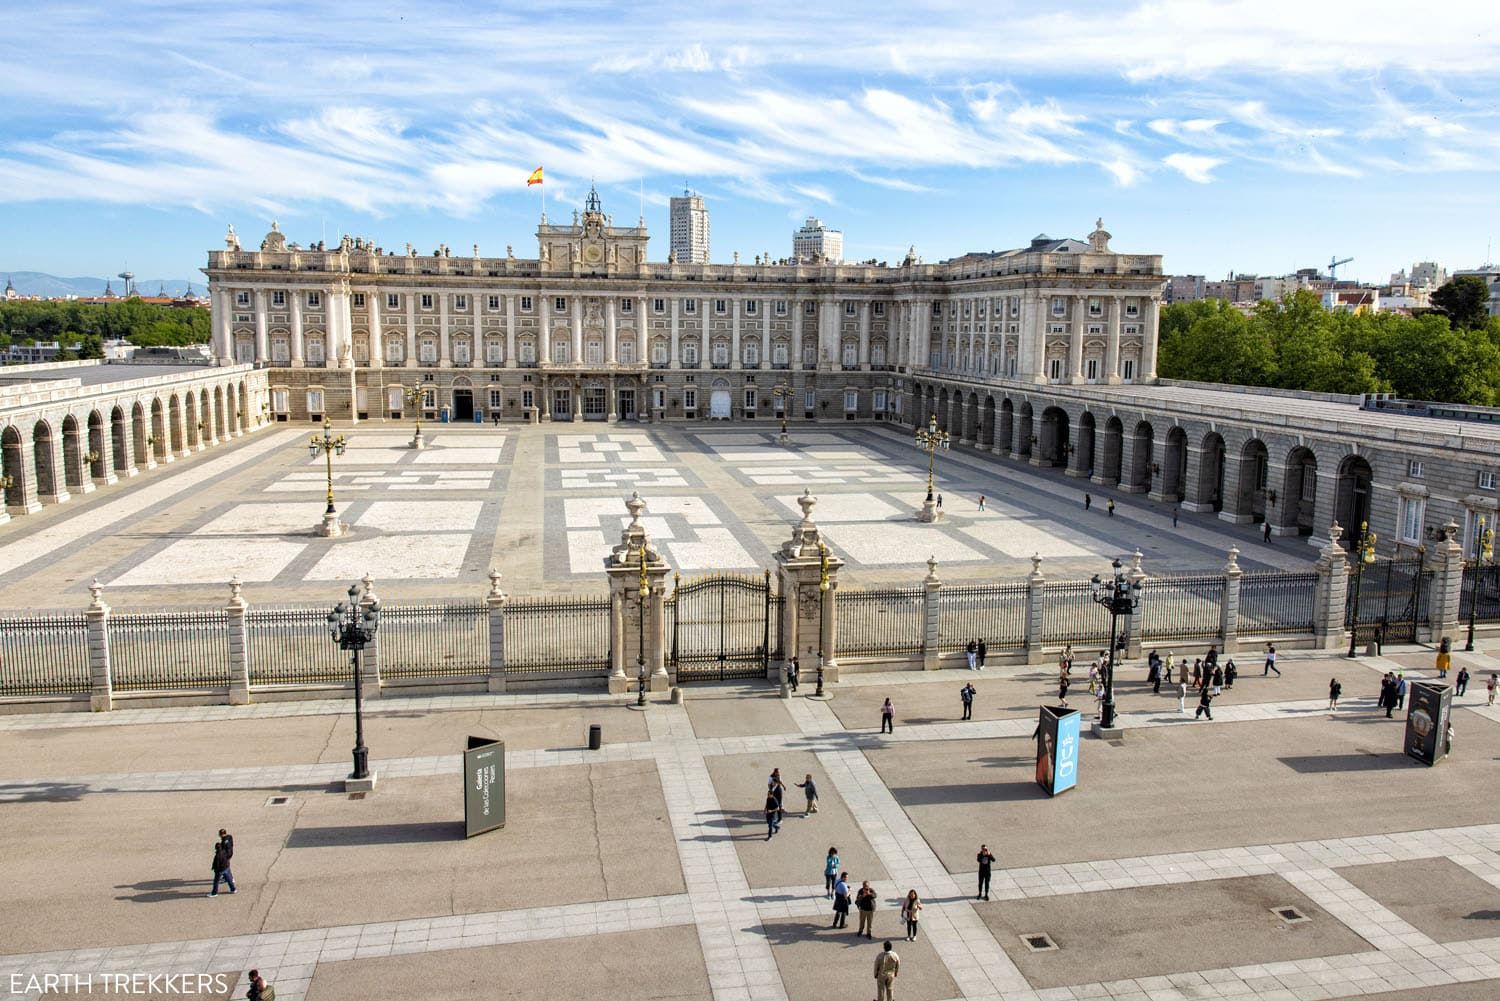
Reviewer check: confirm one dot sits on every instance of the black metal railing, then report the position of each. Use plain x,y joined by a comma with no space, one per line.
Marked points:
1392,601
557,635
873,623
44,654
1276,603
168,650
1481,594
1181,608
434,641
291,646
995,613
1070,615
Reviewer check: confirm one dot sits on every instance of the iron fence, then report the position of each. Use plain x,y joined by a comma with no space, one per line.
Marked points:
876,623
1277,603
1481,594
44,654
1388,600
434,641
557,634
1070,615
995,613
1181,608
292,646
154,651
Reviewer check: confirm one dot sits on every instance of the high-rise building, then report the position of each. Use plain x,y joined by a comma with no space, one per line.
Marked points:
816,242
690,228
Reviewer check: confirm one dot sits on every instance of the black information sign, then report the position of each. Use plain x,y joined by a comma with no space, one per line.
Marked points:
1428,708
1057,739
484,786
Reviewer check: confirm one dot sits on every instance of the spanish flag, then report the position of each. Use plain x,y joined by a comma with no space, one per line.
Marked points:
535,178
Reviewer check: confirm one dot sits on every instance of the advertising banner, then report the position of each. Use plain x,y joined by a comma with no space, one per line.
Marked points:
1428,707
1057,739
484,785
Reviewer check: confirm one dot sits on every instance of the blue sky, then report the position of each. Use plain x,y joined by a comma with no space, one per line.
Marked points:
1259,136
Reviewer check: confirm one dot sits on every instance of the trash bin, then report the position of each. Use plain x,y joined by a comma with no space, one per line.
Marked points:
478,416
444,415
596,736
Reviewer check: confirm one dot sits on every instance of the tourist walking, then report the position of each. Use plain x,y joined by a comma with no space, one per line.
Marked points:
1265,532
792,673
864,902
940,502
1400,689
1175,509
971,653
1217,682
1182,695
778,791
1205,700
1334,691
1444,658
259,990
887,968
1211,659
1088,502
1062,686
830,871
1111,507
1197,672
1230,673
1462,685
985,858
1387,694
887,717
966,696
911,911
1494,681
841,901
810,790
1066,660
1271,661
981,502
1153,673
223,853
1182,670
773,815
983,652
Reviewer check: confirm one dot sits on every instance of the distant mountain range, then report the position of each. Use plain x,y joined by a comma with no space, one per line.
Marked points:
53,287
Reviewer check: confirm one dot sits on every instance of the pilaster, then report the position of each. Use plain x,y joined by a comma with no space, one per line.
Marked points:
239,660
96,617
1332,567
495,602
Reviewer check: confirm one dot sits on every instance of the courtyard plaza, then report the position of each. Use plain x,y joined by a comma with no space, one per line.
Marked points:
544,504
642,870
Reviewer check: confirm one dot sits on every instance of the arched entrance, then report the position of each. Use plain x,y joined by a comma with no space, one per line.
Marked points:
987,424
971,419
73,455
13,463
1351,503
1142,439
138,434
1174,465
463,401
158,440
1083,462
42,450
97,460
1006,433
119,442
1251,504
190,415
1299,492
1210,494
1108,469
174,425
1053,439
720,405
1025,436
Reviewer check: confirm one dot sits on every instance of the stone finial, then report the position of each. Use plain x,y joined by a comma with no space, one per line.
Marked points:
235,587
1450,531
1036,564
807,502
1233,566
96,594
495,591
635,506
1135,562
231,238
1335,533
368,583
931,568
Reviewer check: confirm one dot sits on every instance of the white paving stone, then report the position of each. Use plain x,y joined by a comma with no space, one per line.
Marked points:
212,561
430,516
393,557
290,518
460,456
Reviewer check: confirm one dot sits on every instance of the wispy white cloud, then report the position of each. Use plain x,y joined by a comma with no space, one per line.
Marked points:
1195,168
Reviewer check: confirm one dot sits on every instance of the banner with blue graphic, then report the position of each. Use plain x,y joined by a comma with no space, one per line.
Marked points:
1057,737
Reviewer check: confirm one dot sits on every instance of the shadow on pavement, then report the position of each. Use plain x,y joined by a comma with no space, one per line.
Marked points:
794,932
154,891
375,834
738,826
984,792
1363,761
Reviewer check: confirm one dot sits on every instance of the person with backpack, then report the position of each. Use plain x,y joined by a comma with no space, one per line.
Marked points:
864,902
223,853
966,696
259,989
1334,691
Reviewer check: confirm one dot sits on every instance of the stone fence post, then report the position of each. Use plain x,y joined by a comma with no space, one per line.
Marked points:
1036,590
1136,576
495,601
1229,608
101,689
932,588
1332,567
370,657
239,661
1445,603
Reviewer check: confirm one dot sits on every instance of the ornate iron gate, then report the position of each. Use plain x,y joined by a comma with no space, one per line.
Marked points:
1392,601
721,627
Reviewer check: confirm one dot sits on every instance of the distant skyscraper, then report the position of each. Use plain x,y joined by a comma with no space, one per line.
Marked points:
814,241
690,228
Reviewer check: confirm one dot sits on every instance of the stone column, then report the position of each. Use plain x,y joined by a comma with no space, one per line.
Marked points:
262,334
625,567
411,331
1036,590
298,355
510,331
1237,506
829,336
864,334
495,601
1150,323
1157,469
1446,559
59,472
1332,567
1075,343
1112,343
765,333
239,650
932,590
375,339
735,360
445,334
104,447
676,327
1229,608
576,309
808,621
96,616
223,337
611,356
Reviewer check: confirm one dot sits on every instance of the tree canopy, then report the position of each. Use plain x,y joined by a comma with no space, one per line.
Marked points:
1294,343
89,325
1464,301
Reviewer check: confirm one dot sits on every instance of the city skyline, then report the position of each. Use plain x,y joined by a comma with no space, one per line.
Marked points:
1225,137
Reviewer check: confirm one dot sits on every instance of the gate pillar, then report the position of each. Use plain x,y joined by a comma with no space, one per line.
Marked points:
808,573
637,620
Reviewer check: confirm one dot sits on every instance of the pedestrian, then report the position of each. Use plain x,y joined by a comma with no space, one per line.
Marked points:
966,696
1182,671
1494,681
981,502
773,815
1093,678
1271,661
1211,659
971,654
1062,687
259,989
940,502
830,872
778,791
887,968
1197,672
983,652
1175,509
1067,656
1463,681
810,790
841,901
1230,673
1218,681
1334,691
1088,502
864,902
1111,507
1387,694
1182,695
223,853
1444,658
887,717
1400,689
1205,700
1265,532
1153,673
985,858
911,910
793,671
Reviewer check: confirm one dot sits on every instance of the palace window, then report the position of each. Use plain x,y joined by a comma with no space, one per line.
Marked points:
278,298
1091,369
528,398
780,307
497,400
721,354
809,308
1414,469
426,300
1059,306
392,301
525,303
1127,369
1015,306
690,306
752,397
314,402
494,352
690,399
560,305
750,307
1413,512
626,349
359,300
848,307
627,306
721,306
1486,480
851,354
460,302
851,400
752,354
778,353
809,399
314,300
1132,308
658,305
880,309
1096,308
492,303
526,354
690,354
1096,328
242,298
427,352
1054,369
659,354
879,404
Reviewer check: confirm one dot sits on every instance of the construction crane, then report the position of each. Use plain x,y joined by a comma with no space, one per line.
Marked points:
1333,267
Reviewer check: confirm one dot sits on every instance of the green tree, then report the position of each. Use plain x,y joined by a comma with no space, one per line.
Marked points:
1464,301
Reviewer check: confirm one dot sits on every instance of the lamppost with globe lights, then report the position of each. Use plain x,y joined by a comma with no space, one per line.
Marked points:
328,446
352,626
1120,596
783,394
822,611
413,397
1485,550
644,591
1364,553
931,440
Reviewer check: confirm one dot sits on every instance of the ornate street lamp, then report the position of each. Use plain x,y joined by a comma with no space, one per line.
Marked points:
328,446
413,397
640,651
822,610
783,394
352,626
1364,553
930,440
1485,550
1121,596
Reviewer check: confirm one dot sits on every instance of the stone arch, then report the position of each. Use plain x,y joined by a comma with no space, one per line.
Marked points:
1053,438
972,419
158,440
205,418
1005,434
1107,470
13,464
44,452
141,456
1083,458
987,424
190,419
1174,465
98,447
1254,468
1351,504
221,426
72,436
119,439
1141,468
1208,494
941,411
1298,493
1024,432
